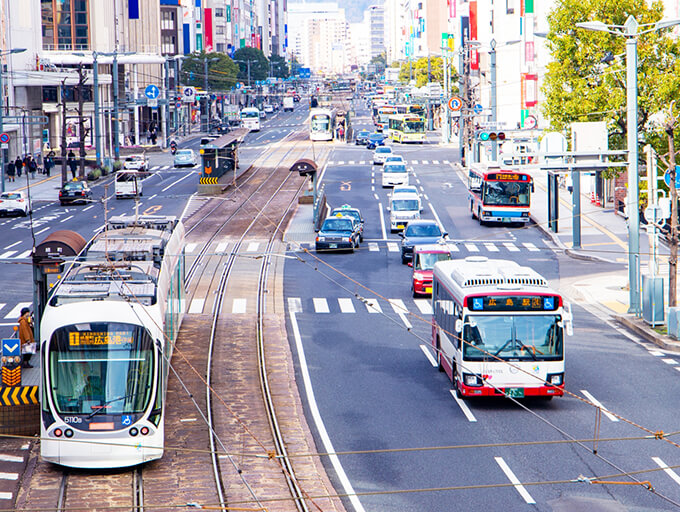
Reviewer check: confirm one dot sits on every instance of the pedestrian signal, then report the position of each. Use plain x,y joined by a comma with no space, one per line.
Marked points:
484,136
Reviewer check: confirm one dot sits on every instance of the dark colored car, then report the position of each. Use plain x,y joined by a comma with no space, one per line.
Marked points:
362,137
419,232
338,233
355,213
75,192
375,139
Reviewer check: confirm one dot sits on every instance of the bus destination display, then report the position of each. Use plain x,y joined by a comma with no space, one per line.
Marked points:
91,339
506,176
515,303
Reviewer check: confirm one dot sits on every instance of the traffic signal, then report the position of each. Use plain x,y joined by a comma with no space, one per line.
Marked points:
489,135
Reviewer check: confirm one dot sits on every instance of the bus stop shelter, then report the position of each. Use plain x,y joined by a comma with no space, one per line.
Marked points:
219,162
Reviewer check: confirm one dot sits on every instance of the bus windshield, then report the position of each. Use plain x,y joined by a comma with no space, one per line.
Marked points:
413,126
250,114
506,193
532,337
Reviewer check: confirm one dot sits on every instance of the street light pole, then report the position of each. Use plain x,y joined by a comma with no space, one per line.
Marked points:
3,152
97,130
116,126
494,98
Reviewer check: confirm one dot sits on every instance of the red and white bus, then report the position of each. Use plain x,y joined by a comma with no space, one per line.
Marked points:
499,195
498,329
381,121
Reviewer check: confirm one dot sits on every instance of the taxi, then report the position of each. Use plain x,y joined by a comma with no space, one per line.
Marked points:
355,213
424,258
337,233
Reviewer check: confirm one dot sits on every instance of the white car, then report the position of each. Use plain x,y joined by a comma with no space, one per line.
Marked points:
408,189
394,173
185,158
269,109
395,158
380,154
136,163
14,202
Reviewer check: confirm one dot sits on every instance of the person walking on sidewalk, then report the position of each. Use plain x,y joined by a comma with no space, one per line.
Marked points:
11,171
49,162
26,337
72,163
19,165
33,167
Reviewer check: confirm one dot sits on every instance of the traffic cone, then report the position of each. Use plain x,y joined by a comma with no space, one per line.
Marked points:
592,197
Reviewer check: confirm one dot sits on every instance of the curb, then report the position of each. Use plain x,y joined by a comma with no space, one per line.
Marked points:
641,329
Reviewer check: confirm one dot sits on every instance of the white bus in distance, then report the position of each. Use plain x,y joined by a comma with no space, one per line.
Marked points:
498,329
250,118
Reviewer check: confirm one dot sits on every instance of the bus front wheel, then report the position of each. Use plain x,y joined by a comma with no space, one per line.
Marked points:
455,383
440,366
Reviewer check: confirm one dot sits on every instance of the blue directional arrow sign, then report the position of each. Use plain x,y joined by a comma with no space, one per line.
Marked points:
152,92
477,108
667,177
11,347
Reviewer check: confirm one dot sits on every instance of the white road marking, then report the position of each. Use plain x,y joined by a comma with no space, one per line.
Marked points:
362,162
400,309
373,247
10,458
667,470
424,306
515,481
176,182
321,305
45,229
382,221
67,218
7,254
351,162
341,162
221,248
24,254
150,198
190,247
435,162
656,353
463,407
428,354
434,212
294,304
9,476
453,247
89,207
5,495
491,247
472,247
16,311
253,246
427,198
375,195
670,361
530,246
511,247
372,306
12,245
316,416
392,247
239,306
346,305
425,162
598,404
446,162
196,306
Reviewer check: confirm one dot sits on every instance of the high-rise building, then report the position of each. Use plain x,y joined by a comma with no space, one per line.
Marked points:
375,17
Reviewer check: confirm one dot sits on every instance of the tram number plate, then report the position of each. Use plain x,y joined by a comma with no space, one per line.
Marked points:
514,392
400,226
332,246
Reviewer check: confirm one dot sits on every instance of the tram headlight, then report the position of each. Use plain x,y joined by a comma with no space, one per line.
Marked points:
471,379
144,430
57,432
556,379
68,433
133,431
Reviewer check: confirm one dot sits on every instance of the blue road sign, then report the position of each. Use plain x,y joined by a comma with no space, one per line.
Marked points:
477,109
305,72
152,92
667,177
11,347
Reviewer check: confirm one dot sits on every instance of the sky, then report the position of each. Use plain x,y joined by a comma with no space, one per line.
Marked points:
354,9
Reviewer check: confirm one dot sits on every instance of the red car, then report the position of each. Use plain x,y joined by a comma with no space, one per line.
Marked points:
424,258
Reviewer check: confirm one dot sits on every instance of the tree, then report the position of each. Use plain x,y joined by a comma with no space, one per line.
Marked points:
259,65
222,71
380,62
419,71
586,79
279,66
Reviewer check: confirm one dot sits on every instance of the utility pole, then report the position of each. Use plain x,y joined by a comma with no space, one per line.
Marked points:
116,126
673,258
494,98
97,133
462,82
168,96
204,104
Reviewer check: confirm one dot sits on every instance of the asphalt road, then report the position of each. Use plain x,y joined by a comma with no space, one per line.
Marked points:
375,388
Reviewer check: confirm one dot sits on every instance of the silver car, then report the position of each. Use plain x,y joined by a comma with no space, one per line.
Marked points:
14,202
185,158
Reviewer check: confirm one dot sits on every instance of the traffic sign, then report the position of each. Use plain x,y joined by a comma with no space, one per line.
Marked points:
530,122
667,177
477,109
4,137
152,102
455,103
178,104
152,92
189,94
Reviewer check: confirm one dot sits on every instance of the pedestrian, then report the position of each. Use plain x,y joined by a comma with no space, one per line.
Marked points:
26,339
341,132
71,161
19,165
33,167
49,162
11,171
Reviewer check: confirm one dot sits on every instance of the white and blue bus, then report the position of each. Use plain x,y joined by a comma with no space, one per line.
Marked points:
250,118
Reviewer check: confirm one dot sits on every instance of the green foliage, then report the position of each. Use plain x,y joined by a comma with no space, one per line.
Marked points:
259,65
579,86
418,69
221,71
117,165
279,66
94,174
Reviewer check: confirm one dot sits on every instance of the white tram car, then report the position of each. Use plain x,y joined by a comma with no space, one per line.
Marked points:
322,124
107,336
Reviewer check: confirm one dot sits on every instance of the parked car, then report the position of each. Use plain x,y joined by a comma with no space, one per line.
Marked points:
136,163
185,158
424,258
269,109
380,153
263,114
14,202
361,137
338,233
420,232
75,192
355,213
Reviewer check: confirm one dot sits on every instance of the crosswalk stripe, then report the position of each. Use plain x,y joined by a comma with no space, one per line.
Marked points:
511,247
196,306
9,476
372,246
446,162
238,306
2,306
398,306
351,162
373,306
362,162
10,458
392,247
166,167
7,254
331,162
425,162
253,246
435,162
221,248
190,247
346,305
155,167
24,254
295,304
16,311
674,476
491,247
472,247
530,246
424,305
5,495
453,247
341,162
321,305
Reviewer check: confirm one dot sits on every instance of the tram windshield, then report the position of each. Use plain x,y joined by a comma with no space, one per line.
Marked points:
103,367
529,337
321,123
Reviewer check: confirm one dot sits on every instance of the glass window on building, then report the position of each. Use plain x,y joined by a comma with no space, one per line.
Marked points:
219,12
65,24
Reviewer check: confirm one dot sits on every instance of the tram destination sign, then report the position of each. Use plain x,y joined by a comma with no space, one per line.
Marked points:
514,303
94,339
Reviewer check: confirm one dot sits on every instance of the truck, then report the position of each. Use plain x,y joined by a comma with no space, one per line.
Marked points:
232,115
288,103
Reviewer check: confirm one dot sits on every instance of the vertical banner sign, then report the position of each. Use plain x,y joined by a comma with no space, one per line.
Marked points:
208,31
527,7
529,51
531,95
474,54
133,9
464,30
228,13
186,38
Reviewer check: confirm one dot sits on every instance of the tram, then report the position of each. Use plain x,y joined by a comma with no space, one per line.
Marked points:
321,124
107,335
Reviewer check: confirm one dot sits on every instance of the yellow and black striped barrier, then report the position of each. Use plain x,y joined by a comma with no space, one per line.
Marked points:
18,395
207,181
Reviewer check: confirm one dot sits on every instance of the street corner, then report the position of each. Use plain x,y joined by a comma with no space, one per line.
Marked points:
609,290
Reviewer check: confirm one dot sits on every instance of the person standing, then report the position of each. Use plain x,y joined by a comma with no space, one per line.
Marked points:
19,165
11,171
26,337
71,161
49,163
33,167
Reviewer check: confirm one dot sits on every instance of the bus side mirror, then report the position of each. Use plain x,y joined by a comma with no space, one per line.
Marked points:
568,319
458,326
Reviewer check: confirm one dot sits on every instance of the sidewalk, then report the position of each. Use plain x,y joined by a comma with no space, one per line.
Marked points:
604,238
42,188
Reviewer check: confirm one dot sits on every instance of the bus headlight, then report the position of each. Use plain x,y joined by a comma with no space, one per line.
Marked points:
470,379
556,379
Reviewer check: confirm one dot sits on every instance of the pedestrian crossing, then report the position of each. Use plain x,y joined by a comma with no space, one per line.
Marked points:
492,249
352,305
11,312
16,255
370,162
